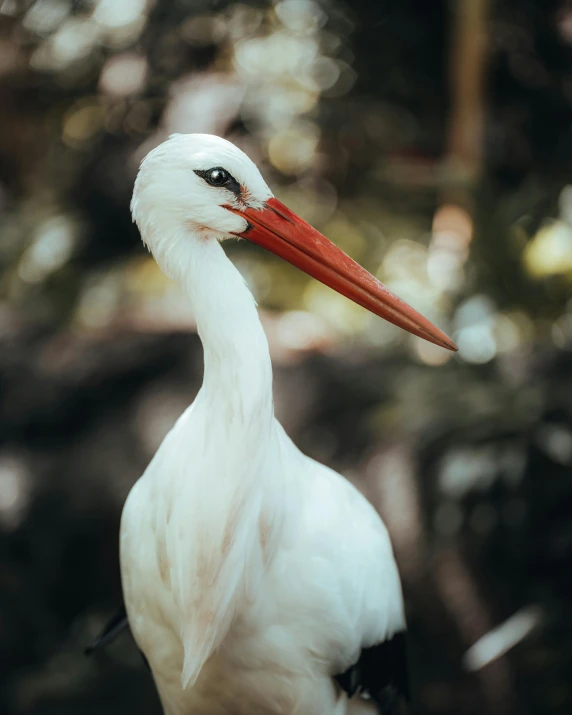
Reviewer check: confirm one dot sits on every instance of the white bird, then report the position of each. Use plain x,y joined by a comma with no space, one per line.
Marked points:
255,579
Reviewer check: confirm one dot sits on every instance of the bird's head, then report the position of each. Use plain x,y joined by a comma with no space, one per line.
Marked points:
198,187
190,181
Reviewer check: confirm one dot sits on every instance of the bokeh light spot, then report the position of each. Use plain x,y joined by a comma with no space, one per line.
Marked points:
123,75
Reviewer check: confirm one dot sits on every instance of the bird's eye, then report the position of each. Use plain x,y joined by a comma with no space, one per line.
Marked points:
217,177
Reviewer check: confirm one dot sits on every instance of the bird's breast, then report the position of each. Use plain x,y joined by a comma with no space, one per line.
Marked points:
253,585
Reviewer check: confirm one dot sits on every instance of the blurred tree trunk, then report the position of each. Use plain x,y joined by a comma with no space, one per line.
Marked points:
466,77
464,160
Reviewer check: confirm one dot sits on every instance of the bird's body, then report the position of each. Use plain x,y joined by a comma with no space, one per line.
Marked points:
252,575
309,588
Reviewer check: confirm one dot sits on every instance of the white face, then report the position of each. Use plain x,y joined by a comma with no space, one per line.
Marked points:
185,183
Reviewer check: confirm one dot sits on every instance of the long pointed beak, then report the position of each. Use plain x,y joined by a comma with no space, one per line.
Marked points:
282,232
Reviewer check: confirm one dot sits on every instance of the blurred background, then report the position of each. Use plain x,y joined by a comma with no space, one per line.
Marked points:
433,142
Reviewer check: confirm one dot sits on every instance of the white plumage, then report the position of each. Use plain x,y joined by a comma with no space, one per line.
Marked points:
252,574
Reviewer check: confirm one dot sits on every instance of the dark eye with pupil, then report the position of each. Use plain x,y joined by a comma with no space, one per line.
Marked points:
217,177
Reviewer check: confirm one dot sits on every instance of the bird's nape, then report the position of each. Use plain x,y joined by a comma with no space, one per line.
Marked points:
285,234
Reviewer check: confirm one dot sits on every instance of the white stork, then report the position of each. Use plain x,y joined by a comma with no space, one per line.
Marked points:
255,579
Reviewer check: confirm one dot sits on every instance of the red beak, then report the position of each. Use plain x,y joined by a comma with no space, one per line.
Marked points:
282,232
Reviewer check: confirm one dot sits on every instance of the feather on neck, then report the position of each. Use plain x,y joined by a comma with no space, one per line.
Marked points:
226,436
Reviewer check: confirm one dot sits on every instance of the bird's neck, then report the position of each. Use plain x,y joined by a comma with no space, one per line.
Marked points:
237,381
221,451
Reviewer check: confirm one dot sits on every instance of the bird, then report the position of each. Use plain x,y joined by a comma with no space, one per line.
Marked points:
255,579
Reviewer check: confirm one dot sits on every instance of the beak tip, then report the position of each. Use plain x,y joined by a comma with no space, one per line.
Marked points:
432,334
437,337
446,342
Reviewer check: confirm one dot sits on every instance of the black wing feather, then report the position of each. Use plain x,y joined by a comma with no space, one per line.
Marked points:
380,674
114,628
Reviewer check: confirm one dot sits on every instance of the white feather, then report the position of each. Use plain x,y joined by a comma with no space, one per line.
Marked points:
251,573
